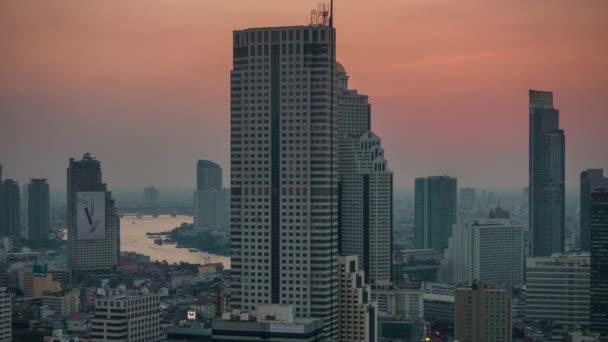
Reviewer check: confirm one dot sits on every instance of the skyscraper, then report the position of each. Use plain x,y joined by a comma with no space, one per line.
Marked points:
483,314
212,208
467,198
358,320
284,236
151,195
591,180
599,261
10,216
38,210
93,232
208,176
435,211
547,176
366,186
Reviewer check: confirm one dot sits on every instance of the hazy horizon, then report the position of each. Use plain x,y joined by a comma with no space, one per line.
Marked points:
144,85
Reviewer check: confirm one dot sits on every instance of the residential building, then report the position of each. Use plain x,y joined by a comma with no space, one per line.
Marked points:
212,208
208,176
483,313
358,314
128,318
269,323
93,224
435,211
599,261
547,176
36,285
557,289
284,189
64,304
38,210
10,215
591,179
6,313
485,250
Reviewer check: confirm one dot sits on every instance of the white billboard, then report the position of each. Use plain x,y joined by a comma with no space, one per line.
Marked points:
91,215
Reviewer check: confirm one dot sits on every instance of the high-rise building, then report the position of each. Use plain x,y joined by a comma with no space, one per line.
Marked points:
38,210
547,176
591,179
93,231
151,195
358,314
557,289
128,318
467,199
366,206
485,250
212,208
6,314
599,261
284,189
208,176
354,109
483,313
10,216
435,211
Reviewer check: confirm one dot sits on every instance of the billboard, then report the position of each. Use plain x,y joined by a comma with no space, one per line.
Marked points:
91,215
191,315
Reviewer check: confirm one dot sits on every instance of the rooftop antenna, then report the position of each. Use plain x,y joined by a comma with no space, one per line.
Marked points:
331,13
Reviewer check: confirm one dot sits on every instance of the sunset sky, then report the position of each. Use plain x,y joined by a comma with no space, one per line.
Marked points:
144,84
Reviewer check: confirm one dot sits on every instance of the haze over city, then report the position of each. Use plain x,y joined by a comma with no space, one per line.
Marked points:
144,85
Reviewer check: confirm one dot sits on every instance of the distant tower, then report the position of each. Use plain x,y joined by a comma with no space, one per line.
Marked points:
547,176
599,260
591,180
38,210
93,232
435,211
208,176
10,216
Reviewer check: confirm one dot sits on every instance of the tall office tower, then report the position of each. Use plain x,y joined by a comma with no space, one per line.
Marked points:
151,195
10,216
127,318
93,234
38,210
284,221
366,186
24,212
6,315
599,261
557,289
467,199
483,313
547,174
486,250
435,211
212,208
366,206
208,176
358,313
591,179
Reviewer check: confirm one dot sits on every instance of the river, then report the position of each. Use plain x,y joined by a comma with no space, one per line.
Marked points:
133,239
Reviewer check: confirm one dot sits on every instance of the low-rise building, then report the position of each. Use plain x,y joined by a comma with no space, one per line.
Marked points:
63,304
270,323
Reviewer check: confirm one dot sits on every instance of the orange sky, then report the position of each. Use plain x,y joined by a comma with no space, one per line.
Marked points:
143,84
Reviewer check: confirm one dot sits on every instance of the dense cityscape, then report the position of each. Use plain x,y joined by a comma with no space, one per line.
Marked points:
309,239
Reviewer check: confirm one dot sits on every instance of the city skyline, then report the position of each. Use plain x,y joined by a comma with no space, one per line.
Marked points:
156,71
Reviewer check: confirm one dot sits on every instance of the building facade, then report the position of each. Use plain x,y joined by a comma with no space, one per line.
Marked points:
10,215
38,210
591,179
467,199
483,314
546,176
128,318
208,176
212,208
93,223
557,289
63,304
284,189
6,315
435,211
358,314
599,261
